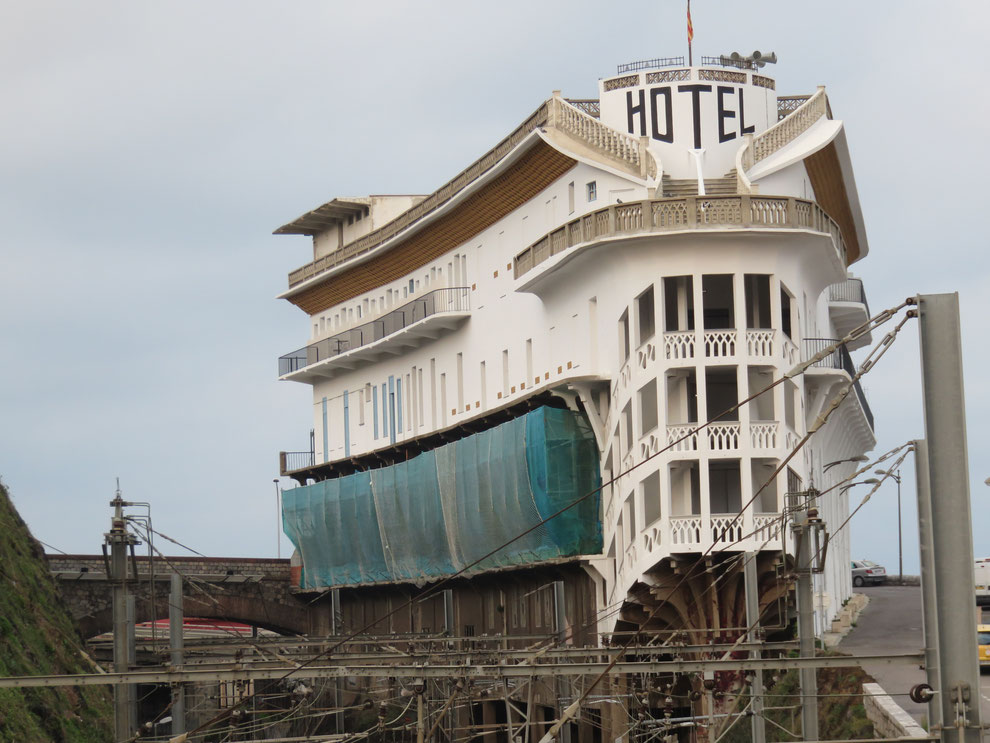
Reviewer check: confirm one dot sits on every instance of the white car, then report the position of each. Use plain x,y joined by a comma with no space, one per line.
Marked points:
866,572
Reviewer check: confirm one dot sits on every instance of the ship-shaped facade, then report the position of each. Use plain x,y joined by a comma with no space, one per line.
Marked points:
535,346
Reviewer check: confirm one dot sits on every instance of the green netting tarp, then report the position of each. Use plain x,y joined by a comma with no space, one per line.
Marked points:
435,514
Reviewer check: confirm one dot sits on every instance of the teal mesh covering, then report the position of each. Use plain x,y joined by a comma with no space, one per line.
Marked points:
433,515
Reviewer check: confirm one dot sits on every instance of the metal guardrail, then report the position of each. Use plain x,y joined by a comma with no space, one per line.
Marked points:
650,64
850,290
838,359
289,461
456,299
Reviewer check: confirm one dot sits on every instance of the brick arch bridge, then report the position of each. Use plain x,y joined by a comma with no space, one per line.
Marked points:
249,590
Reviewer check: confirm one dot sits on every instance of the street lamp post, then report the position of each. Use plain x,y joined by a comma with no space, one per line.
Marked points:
900,547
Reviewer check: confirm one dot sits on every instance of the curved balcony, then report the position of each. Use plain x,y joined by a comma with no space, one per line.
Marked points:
413,324
838,360
848,309
689,213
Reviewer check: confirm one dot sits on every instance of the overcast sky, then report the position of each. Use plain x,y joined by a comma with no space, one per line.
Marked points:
147,151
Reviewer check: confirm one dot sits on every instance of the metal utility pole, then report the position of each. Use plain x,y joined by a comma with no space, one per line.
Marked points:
175,641
119,540
952,529
755,635
803,511
930,618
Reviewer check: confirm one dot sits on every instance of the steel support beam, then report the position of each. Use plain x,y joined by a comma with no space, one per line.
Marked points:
952,528
520,671
929,610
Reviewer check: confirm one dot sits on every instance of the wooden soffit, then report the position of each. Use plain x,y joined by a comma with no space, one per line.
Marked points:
825,175
534,171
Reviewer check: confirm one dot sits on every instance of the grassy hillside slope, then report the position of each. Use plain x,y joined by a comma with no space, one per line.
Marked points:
37,636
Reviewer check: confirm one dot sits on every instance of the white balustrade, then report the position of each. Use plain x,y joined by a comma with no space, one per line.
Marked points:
727,528
763,434
682,438
759,343
646,355
766,527
788,128
678,346
652,538
723,436
625,374
720,343
790,351
685,530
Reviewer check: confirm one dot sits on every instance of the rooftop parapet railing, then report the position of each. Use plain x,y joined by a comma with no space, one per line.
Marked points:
605,139
438,301
838,359
688,213
787,129
650,64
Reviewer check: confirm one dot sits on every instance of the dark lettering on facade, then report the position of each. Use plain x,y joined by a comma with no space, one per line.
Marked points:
662,115
724,113
743,129
640,109
695,91
668,108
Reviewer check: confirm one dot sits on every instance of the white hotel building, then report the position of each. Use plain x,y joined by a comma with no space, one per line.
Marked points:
636,264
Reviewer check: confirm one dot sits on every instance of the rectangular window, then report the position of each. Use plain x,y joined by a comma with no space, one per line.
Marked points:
757,300
397,413
347,426
413,406
678,303
570,197
433,393
422,403
647,313
460,382
484,387
505,372
785,312
648,409
624,336
718,304
529,360
651,498
374,409
443,400
591,190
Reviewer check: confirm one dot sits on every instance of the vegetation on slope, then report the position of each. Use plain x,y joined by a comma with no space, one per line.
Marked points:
37,636
841,714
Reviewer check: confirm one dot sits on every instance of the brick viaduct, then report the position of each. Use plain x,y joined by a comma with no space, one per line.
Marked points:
253,591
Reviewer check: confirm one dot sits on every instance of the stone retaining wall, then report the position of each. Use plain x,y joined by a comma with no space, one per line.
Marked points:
888,718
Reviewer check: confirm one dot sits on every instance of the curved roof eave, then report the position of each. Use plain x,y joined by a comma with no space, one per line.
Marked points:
819,136
500,167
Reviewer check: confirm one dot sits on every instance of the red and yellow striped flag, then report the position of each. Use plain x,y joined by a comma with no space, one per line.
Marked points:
690,25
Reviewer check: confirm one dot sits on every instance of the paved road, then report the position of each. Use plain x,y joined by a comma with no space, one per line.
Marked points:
891,623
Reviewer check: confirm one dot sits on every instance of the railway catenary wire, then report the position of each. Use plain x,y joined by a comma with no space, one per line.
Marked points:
875,321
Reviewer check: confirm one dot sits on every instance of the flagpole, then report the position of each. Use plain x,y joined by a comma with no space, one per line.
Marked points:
690,35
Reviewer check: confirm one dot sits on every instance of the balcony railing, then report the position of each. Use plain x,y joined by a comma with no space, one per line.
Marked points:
682,214
289,461
850,290
838,359
456,299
